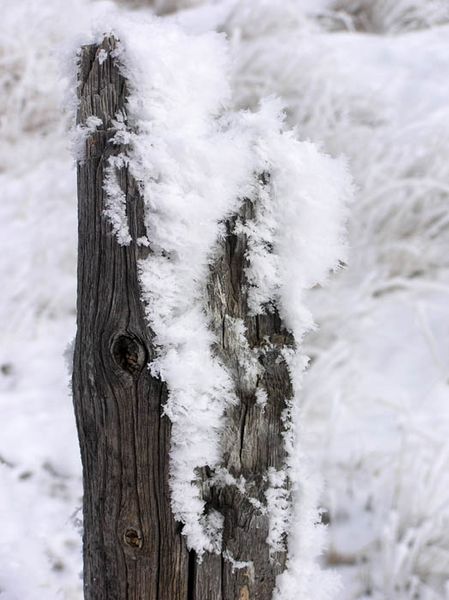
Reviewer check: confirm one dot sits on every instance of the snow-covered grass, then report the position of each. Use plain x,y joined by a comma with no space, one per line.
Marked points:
375,395
39,464
388,16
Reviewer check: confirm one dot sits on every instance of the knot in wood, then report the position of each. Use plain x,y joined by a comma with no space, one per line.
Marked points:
244,593
133,538
129,353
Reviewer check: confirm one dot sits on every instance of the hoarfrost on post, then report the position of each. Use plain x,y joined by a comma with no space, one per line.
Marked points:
80,135
279,509
379,99
196,162
240,564
115,209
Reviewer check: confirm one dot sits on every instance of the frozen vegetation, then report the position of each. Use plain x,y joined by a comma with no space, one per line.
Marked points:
362,79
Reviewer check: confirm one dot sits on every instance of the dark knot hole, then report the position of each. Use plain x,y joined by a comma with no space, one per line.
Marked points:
129,353
133,538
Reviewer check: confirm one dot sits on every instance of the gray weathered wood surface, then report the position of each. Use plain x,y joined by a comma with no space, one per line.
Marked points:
133,548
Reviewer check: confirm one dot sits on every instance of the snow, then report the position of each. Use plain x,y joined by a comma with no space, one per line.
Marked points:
240,564
115,210
81,133
102,56
279,510
374,398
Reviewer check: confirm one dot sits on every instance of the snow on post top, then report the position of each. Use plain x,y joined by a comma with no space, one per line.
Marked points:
195,161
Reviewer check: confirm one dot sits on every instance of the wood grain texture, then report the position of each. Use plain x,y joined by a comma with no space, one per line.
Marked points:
133,548
253,437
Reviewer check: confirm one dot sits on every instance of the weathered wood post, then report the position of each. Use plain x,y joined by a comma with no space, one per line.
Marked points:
253,440
133,548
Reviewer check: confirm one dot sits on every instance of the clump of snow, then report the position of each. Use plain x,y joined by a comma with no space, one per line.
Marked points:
102,56
297,234
80,134
279,509
261,397
115,209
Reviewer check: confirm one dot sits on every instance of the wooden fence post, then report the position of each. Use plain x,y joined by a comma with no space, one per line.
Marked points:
133,548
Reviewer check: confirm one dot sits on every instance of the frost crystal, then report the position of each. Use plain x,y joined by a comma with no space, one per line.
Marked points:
80,135
116,200
102,56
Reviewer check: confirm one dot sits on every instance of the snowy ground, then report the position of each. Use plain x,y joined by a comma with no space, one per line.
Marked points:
376,396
